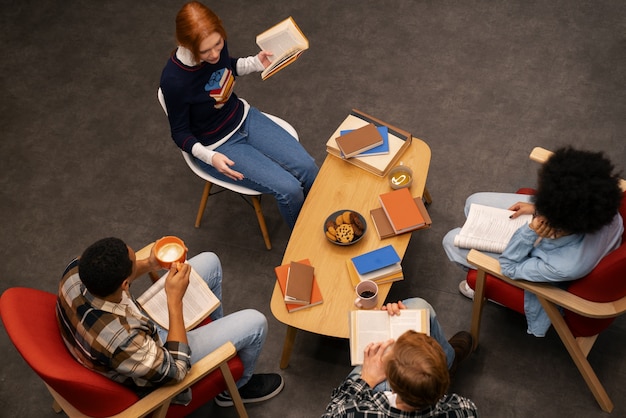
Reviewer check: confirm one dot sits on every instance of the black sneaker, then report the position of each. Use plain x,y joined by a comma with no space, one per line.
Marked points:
462,342
260,387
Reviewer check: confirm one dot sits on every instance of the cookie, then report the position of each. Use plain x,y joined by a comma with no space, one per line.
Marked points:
330,236
339,220
357,231
346,217
345,233
356,220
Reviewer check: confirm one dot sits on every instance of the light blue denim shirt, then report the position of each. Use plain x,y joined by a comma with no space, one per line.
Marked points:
555,260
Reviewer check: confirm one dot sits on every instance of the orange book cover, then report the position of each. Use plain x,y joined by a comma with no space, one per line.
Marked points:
401,210
282,272
383,226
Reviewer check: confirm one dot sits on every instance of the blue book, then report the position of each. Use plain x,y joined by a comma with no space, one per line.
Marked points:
378,150
216,80
376,260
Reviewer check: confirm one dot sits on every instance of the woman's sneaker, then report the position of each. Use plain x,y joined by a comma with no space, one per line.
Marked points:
260,387
465,290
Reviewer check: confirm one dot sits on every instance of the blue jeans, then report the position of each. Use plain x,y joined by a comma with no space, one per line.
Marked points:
496,200
272,162
246,329
435,331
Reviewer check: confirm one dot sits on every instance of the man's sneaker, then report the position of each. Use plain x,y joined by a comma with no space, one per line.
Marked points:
462,343
260,387
465,290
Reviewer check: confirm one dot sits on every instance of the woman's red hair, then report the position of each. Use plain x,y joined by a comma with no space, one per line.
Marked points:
194,22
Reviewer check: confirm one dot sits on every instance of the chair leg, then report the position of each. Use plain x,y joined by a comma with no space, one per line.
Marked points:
232,389
259,215
203,200
477,308
577,355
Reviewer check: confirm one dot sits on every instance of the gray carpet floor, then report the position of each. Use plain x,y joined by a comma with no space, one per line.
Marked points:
85,153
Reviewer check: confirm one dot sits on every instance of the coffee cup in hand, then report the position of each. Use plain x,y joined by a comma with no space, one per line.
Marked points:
170,250
367,295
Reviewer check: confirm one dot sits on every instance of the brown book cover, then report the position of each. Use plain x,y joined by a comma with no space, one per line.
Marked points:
281,275
299,283
359,140
383,226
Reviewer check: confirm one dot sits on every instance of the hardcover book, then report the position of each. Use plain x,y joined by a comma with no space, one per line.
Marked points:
401,210
285,41
359,140
198,303
299,283
379,149
282,273
383,226
374,326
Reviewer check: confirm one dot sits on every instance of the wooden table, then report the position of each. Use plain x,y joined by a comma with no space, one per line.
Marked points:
340,185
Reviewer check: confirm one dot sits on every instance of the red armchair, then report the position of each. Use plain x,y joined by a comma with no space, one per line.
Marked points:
590,304
29,319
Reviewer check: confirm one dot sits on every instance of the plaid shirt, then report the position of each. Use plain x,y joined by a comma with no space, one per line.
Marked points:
354,398
115,341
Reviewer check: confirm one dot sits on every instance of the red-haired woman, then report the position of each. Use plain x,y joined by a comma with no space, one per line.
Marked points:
232,140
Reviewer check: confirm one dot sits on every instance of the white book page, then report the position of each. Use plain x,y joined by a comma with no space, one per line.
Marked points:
488,228
376,326
198,302
282,40
372,326
409,319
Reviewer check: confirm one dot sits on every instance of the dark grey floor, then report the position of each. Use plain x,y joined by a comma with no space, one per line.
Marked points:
85,153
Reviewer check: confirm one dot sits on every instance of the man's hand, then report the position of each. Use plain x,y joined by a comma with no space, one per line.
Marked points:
522,208
222,164
393,308
263,58
373,371
176,282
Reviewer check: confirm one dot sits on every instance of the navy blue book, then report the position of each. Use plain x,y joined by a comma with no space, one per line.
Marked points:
376,260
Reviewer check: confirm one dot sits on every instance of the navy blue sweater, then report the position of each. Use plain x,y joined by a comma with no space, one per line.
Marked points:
192,112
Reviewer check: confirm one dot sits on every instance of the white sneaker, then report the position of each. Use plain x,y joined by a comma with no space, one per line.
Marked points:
465,290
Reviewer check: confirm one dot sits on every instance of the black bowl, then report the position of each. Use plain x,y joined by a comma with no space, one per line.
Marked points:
353,229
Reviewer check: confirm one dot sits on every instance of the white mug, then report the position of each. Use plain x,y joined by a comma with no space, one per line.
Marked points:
366,295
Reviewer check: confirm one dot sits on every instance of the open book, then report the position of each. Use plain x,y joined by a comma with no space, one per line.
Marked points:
285,41
375,326
198,302
488,228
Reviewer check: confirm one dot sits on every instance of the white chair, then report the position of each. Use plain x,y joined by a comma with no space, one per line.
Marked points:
254,195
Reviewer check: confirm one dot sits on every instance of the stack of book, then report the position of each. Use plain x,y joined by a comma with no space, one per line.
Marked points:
298,284
399,213
377,162
221,86
381,266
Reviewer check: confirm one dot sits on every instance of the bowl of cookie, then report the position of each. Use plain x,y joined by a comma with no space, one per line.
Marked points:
345,227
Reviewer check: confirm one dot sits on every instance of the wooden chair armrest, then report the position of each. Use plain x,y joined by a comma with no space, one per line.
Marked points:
540,154
144,252
164,394
550,292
